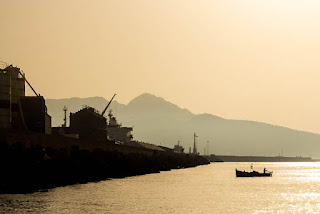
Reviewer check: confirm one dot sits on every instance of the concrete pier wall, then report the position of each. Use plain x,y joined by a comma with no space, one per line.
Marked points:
33,161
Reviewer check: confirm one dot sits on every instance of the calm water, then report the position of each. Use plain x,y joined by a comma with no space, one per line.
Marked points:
294,188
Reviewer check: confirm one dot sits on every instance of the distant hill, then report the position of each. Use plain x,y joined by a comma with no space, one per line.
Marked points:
74,104
160,122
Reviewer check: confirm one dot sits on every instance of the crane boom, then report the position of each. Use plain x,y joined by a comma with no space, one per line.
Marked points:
104,111
28,83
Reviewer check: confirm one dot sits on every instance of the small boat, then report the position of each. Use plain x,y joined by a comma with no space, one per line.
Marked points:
253,173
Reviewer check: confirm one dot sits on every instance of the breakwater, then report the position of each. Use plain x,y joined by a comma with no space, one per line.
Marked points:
33,161
232,158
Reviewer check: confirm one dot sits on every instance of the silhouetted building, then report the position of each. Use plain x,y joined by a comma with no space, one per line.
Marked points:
35,114
12,87
89,124
18,111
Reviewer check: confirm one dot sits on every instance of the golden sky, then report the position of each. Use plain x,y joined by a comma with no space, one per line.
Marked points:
239,59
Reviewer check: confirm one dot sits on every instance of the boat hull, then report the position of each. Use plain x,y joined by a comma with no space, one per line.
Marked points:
252,174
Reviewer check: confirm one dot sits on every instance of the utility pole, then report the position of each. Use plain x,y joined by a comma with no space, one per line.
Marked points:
194,144
65,116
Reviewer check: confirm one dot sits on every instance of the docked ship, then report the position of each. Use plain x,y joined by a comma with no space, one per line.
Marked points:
178,148
89,123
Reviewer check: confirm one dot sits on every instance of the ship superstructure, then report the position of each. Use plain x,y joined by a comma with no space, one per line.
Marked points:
116,132
178,148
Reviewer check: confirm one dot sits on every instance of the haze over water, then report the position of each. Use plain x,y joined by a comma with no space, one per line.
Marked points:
213,188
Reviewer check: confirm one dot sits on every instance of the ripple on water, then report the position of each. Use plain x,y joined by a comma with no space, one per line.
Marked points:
204,189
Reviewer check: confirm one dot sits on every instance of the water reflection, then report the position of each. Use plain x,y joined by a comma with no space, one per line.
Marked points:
294,187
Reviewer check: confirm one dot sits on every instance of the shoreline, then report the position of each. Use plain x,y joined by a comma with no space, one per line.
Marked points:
32,161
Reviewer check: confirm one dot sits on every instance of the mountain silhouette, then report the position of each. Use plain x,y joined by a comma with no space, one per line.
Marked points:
158,121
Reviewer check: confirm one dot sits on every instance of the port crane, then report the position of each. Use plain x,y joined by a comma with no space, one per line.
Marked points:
38,95
104,111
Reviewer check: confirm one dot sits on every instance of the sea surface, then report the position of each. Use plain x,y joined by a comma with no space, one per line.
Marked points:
214,188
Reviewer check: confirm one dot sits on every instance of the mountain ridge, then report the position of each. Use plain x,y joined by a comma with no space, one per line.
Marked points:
158,121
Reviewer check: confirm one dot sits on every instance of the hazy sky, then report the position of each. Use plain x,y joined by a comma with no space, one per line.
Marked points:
239,59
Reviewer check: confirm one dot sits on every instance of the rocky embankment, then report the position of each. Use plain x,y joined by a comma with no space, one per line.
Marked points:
27,166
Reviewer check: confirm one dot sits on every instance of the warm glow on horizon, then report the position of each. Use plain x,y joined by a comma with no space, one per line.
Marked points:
254,60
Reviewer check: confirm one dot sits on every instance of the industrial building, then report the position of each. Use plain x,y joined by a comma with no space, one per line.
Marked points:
12,87
35,114
18,111
88,123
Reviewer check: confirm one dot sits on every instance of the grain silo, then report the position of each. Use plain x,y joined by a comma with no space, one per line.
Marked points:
12,88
